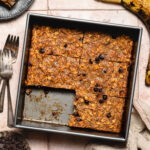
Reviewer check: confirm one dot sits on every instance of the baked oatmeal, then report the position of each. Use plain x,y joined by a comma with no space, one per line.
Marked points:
52,71
94,64
102,114
57,41
96,44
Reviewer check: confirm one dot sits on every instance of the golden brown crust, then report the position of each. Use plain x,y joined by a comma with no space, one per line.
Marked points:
64,42
67,72
103,116
110,77
118,49
52,71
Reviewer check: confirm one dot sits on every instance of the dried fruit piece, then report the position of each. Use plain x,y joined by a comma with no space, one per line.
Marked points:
79,119
101,101
105,70
90,61
76,113
86,102
83,74
100,90
120,70
97,60
108,115
105,97
101,56
65,46
95,89
41,51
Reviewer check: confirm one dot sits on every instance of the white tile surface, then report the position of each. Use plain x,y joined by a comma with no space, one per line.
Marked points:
81,4
65,142
37,140
39,5
115,16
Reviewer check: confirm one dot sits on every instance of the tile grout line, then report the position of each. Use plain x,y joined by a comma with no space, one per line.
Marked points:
37,10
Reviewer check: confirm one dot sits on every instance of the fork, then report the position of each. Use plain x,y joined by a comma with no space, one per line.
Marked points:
12,45
6,73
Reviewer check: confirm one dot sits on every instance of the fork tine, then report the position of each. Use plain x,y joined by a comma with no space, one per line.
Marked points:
14,41
7,41
11,42
17,45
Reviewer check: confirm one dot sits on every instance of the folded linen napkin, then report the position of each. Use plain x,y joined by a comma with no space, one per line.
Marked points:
143,108
139,137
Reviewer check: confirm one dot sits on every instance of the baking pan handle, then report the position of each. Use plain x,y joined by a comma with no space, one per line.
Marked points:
10,121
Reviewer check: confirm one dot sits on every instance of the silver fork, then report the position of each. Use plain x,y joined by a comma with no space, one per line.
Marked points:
12,45
6,73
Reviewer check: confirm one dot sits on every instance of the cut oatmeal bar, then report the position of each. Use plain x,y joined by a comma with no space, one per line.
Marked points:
103,116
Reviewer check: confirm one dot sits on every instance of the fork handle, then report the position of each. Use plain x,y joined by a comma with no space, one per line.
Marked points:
10,109
2,96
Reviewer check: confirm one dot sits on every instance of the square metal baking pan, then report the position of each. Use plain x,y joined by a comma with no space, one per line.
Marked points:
50,112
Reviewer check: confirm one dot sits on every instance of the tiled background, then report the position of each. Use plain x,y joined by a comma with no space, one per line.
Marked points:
84,9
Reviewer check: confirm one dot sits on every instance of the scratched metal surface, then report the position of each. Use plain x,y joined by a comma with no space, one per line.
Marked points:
52,106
